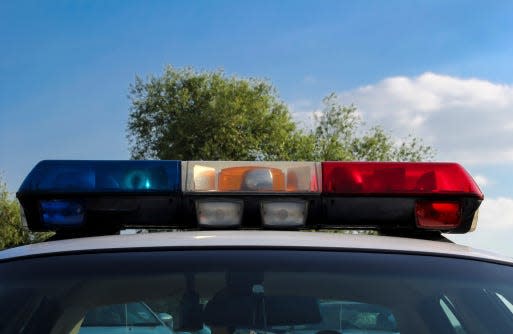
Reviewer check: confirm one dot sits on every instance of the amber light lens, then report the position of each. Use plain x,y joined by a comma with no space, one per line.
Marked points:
236,179
438,214
251,176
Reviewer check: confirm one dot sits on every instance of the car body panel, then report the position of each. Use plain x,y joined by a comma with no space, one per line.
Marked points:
252,239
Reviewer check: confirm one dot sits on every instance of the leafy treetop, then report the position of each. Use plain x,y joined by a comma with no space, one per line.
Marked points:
188,115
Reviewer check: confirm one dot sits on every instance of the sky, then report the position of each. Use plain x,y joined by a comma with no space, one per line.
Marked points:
440,70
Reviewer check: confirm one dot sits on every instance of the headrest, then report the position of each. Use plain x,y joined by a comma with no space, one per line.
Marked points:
236,308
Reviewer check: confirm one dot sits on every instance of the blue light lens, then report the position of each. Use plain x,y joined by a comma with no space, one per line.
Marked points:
72,176
62,213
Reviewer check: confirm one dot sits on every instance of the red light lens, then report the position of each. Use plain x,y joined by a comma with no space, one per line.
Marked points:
397,179
438,215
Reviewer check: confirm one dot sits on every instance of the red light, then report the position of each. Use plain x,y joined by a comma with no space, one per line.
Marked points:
397,179
438,215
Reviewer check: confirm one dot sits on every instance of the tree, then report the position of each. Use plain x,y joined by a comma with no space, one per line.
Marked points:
188,115
12,231
338,136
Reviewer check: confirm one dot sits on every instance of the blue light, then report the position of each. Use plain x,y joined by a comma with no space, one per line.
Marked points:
62,213
97,176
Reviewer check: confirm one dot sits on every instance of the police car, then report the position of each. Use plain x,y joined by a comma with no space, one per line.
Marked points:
252,247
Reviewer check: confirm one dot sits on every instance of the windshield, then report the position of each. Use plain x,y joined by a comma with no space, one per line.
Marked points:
254,291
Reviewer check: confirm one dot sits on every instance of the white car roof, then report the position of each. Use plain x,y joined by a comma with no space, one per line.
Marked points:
260,239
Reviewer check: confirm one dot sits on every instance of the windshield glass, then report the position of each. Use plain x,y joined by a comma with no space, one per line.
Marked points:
131,314
254,291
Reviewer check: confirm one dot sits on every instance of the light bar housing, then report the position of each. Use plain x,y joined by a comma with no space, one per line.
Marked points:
251,176
97,196
253,183
384,195
101,197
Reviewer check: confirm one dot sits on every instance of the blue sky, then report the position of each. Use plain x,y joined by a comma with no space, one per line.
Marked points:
66,67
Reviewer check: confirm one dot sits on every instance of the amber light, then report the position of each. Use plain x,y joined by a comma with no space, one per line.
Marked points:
234,178
251,176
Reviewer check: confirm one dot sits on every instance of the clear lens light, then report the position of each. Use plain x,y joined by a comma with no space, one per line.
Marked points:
258,179
251,176
219,213
284,214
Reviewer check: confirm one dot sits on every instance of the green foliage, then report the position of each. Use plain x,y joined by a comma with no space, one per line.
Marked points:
189,115
337,135
12,232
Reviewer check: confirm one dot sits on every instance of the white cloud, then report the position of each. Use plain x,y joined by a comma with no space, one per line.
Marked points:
494,227
496,213
465,120
482,181
303,112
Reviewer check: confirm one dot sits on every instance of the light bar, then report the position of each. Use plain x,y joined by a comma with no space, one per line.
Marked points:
98,197
95,196
251,176
397,179
81,176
